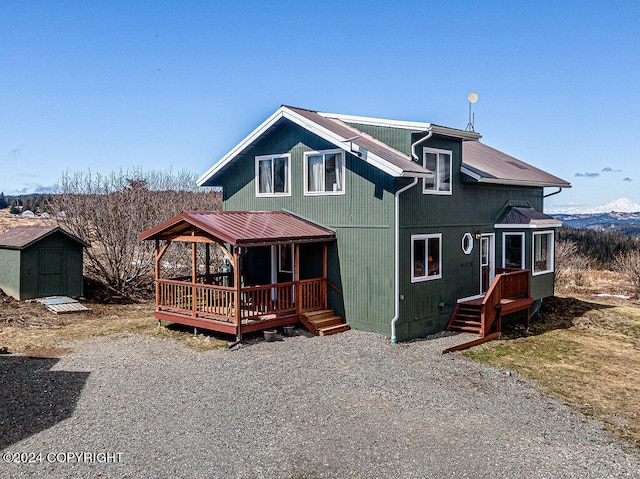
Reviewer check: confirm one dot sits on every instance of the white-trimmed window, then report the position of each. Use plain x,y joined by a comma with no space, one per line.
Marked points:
426,257
513,250
542,252
438,161
272,175
324,172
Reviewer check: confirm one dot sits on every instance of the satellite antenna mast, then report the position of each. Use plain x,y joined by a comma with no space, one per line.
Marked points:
473,98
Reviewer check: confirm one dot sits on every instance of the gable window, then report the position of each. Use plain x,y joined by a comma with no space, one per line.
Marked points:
324,172
272,175
513,250
438,161
542,252
426,257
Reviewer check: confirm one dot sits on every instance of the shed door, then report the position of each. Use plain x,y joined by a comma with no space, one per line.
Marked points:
51,272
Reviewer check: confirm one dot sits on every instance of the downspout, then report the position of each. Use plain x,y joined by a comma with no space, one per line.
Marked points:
394,339
554,193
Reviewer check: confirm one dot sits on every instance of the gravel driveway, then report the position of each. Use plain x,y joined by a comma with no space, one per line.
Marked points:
349,405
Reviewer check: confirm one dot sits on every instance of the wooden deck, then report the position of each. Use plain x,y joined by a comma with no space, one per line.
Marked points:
217,308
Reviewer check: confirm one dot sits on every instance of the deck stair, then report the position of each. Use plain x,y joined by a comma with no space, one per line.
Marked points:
323,322
466,318
509,293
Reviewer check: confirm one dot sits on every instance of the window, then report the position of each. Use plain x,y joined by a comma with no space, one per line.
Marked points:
467,243
438,161
286,258
324,172
272,175
426,257
513,250
542,252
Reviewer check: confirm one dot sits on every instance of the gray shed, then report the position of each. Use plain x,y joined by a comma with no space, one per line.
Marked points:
38,261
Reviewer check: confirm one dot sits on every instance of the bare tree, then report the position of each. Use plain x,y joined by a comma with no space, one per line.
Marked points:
569,264
628,263
110,211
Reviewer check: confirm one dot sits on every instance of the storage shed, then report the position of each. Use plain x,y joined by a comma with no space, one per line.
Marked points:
38,261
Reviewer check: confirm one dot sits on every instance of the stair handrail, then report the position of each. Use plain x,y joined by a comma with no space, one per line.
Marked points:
507,278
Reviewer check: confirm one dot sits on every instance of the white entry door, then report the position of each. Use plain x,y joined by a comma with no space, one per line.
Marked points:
487,263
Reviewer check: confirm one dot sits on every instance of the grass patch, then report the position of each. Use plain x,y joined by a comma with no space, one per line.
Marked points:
28,328
591,360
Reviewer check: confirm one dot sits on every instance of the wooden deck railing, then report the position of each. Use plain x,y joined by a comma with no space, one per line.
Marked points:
219,302
508,283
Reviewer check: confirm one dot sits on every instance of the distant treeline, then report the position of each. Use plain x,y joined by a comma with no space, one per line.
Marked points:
599,247
34,202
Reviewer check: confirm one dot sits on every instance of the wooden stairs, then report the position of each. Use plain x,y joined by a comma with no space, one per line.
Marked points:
509,293
323,322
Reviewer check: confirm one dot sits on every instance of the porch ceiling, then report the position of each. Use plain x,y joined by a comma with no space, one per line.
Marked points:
240,228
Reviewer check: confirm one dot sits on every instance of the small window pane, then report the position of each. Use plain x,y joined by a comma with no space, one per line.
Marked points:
444,172
434,256
264,177
418,258
314,173
280,175
513,251
430,163
541,253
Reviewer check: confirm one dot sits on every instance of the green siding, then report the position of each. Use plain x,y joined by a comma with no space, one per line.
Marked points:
10,272
361,260
471,208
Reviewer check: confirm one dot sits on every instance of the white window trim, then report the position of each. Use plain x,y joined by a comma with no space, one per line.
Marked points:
307,154
550,253
257,175
504,249
470,242
426,191
425,238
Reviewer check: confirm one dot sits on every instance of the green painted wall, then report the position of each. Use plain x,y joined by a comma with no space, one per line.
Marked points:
360,264
428,305
361,261
10,272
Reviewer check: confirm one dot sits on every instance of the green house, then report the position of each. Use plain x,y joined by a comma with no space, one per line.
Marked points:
433,229
40,261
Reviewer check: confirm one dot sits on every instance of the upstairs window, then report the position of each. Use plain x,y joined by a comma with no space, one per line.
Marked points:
438,161
272,175
542,252
426,257
324,172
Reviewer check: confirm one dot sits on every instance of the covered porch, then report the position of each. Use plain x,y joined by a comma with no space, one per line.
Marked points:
276,269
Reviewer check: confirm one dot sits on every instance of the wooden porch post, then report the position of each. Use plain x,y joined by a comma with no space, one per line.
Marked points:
237,282
207,260
156,274
325,270
194,277
296,277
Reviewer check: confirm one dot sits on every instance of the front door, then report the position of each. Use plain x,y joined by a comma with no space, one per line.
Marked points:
487,267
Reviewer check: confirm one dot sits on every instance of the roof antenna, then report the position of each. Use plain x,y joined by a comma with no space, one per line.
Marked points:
473,98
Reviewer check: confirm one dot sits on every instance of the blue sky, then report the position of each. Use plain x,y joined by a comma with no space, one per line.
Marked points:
103,85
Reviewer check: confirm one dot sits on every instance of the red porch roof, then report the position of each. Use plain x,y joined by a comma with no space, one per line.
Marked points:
242,228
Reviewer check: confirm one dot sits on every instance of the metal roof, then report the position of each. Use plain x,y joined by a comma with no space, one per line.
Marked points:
527,217
22,237
488,165
242,228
